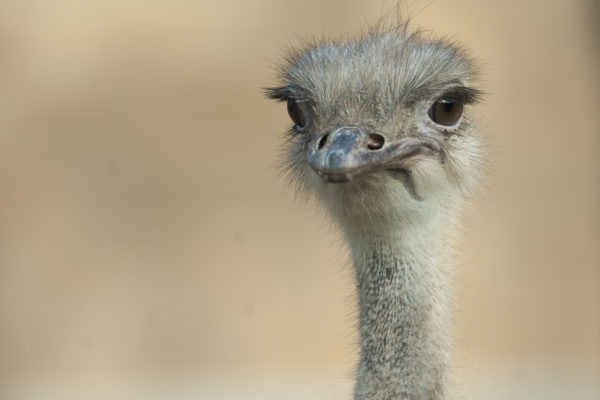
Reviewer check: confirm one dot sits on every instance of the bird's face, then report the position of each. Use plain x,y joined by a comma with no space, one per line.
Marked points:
380,124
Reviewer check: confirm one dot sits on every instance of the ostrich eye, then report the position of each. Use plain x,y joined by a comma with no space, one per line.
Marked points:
296,114
446,112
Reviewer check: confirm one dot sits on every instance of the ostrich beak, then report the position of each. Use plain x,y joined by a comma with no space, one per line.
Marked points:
349,151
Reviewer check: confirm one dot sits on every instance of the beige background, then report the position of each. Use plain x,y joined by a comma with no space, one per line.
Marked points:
148,248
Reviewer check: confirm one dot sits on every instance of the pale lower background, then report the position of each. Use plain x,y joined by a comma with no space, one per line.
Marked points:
148,249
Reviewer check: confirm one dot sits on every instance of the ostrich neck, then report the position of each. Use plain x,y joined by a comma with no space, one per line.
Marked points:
403,295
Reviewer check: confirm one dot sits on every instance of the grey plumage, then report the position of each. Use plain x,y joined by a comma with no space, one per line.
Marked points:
368,145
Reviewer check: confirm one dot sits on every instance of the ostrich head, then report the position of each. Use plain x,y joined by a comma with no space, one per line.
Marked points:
381,127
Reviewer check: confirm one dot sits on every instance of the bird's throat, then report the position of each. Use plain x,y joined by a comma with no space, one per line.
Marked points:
404,320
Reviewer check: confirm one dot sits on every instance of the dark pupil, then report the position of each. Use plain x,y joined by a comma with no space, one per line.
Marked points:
446,112
296,114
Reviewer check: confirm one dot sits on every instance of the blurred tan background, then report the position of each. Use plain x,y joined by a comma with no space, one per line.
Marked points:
148,248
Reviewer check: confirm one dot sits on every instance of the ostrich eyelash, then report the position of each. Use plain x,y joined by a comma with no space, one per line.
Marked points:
462,94
281,94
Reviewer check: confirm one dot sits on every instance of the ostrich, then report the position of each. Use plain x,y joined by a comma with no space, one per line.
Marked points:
382,136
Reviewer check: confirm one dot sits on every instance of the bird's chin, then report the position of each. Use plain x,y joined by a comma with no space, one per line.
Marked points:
368,200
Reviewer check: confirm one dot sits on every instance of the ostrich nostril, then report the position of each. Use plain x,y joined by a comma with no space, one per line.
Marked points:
322,141
376,141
